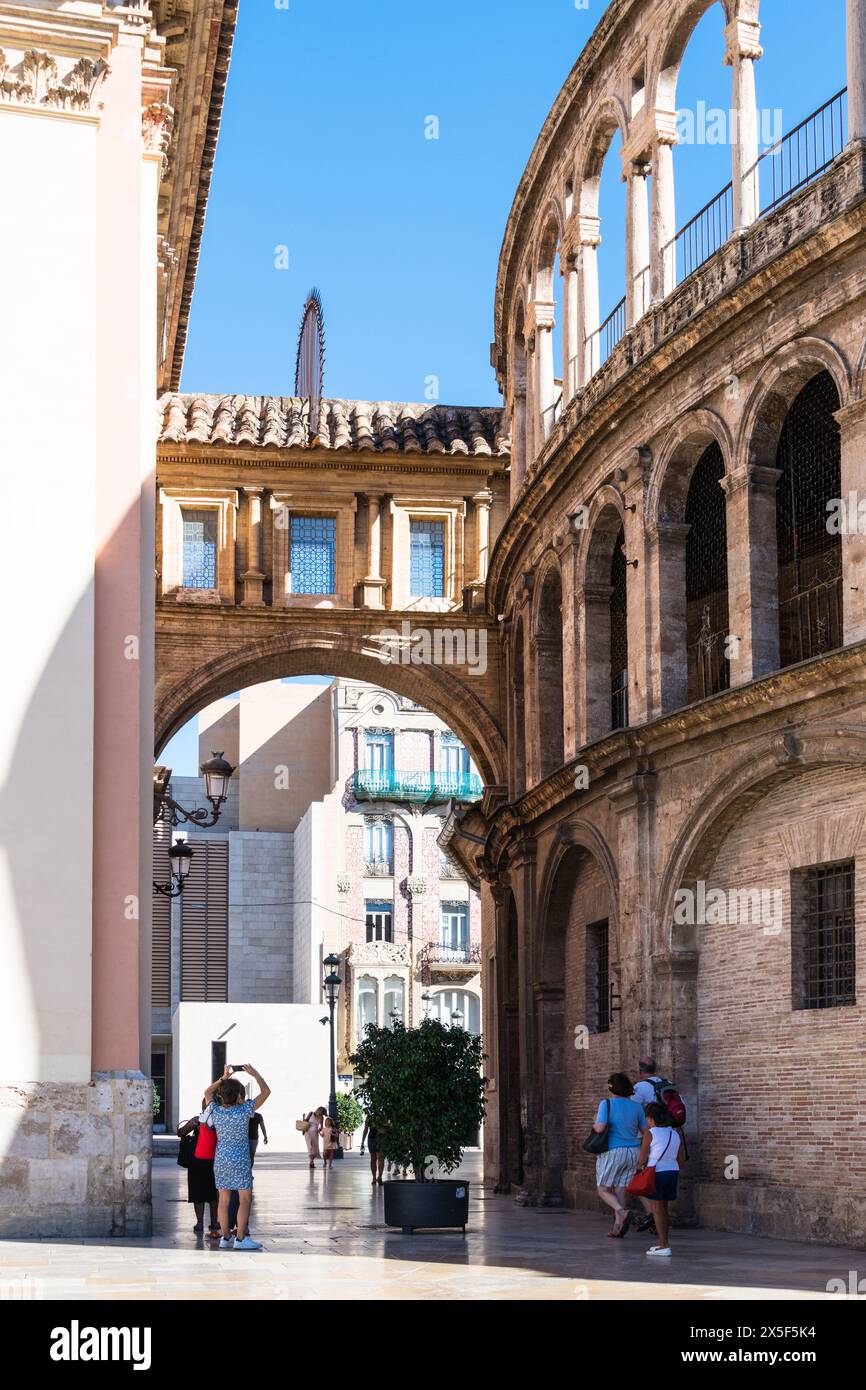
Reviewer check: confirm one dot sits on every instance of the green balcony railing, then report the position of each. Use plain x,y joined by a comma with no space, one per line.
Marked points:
416,786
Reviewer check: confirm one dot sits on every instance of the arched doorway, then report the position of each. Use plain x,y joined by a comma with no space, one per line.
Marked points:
578,1017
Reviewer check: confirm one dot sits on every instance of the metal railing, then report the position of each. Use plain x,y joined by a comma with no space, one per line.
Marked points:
394,785
703,234
601,343
435,953
811,622
378,868
802,154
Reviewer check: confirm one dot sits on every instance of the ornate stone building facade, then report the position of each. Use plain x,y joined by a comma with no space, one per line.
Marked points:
678,864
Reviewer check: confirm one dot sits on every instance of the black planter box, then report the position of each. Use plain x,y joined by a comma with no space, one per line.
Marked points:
414,1205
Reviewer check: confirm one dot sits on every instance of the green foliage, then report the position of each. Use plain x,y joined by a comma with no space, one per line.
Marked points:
155,1102
350,1116
423,1091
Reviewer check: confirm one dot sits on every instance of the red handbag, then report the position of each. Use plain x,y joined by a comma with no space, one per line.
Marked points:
643,1184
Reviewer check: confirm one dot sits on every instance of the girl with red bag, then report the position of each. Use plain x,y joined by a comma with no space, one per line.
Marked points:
657,1173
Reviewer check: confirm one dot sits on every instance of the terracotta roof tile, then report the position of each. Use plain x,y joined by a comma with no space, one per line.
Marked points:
283,422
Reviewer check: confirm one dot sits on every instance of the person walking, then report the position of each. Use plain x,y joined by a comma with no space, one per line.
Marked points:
200,1186
660,1149
370,1136
230,1113
311,1136
615,1169
648,1090
330,1140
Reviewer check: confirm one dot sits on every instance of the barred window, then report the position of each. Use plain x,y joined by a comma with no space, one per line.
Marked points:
822,936
313,560
427,559
598,976
810,554
707,578
199,549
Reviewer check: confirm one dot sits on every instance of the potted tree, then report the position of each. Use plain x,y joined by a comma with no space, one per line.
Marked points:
423,1091
350,1116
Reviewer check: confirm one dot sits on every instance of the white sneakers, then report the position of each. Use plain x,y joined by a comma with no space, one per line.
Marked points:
663,1250
249,1244
224,1244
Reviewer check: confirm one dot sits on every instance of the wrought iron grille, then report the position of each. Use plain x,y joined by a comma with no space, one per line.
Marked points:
427,559
707,578
618,636
809,555
313,554
802,154
703,234
598,964
199,549
827,952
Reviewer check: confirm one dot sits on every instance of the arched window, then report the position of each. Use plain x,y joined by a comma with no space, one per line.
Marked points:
549,675
618,635
368,1010
809,553
707,578
395,999
457,1007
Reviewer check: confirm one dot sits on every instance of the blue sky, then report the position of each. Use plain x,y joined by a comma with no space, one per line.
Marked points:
323,151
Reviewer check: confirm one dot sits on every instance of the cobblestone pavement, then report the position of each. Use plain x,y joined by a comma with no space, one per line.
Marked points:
324,1238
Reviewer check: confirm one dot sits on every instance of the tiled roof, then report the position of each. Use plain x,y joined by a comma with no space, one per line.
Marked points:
282,422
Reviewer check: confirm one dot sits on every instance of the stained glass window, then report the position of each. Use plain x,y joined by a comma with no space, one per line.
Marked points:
427,559
313,554
199,549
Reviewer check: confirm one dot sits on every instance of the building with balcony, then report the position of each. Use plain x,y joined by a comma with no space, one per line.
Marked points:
328,843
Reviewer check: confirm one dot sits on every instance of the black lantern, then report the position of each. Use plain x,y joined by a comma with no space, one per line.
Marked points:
217,774
180,858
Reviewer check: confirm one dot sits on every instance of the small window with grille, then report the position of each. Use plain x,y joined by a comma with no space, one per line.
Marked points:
598,977
199,549
822,936
427,559
313,558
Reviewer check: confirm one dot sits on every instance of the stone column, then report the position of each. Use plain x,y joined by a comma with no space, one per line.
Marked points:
637,250
855,27
541,314
753,581
666,557
570,330
588,314
634,801
518,438
743,51
852,421
373,585
633,485
571,651
522,871
593,713
664,220
483,502
253,578
531,435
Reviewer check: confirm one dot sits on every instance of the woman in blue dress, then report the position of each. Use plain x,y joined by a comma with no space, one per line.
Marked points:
229,1113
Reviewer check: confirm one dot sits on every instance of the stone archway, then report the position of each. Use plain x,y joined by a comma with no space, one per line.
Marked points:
249,650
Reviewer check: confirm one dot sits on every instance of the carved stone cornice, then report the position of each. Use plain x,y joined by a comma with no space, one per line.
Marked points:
363,953
33,80
157,124
742,40
541,313
756,476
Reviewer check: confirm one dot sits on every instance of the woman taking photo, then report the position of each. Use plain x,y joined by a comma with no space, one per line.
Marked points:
230,1116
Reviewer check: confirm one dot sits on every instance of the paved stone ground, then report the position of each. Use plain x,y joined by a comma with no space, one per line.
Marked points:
324,1239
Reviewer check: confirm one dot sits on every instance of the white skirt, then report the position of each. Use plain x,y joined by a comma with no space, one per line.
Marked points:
616,1168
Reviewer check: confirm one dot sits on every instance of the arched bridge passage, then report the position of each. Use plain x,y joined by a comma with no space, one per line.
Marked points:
204,654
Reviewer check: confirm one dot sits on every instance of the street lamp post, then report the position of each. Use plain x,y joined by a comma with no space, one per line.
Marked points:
332,985
217,774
